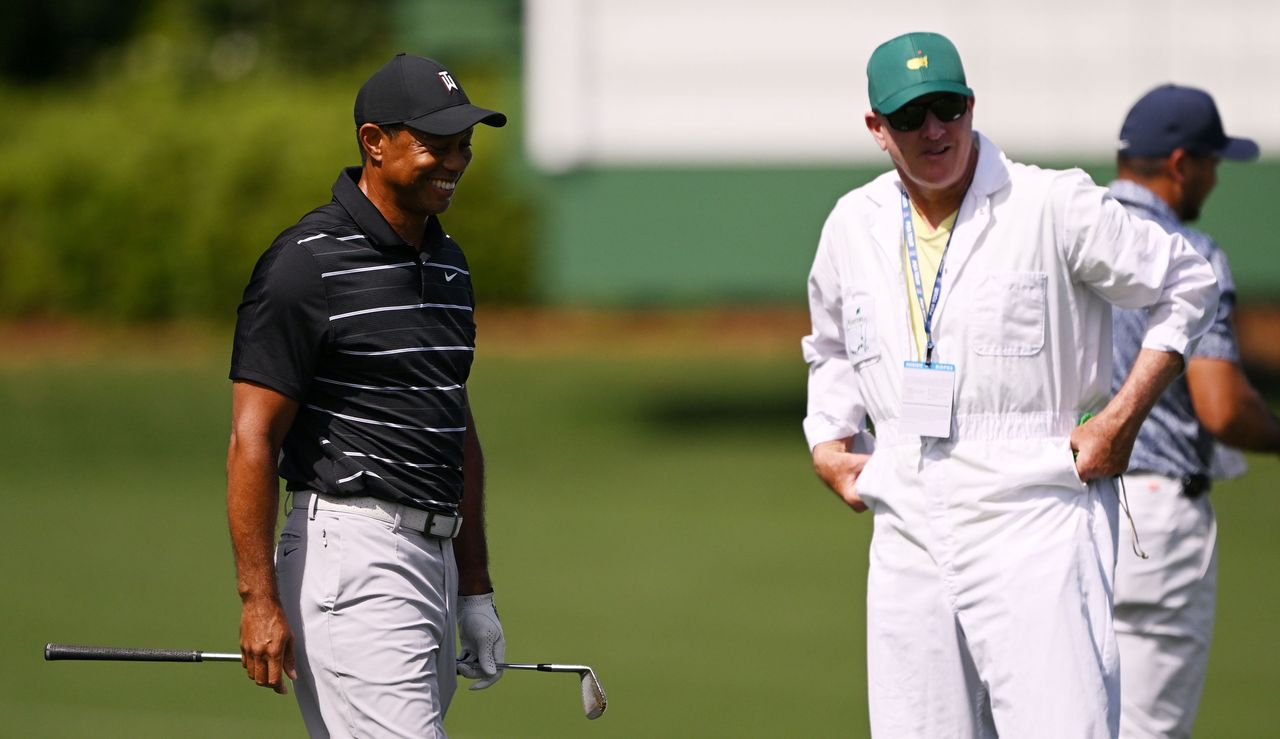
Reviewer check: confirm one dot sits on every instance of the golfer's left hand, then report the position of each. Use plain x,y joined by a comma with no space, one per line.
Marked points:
483,645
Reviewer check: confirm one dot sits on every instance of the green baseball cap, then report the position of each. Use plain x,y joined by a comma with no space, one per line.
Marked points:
913,64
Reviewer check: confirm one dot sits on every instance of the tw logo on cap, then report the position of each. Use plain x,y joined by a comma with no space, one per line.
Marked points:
916,63
449,84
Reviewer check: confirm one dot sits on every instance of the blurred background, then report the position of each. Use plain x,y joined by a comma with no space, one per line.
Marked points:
640,236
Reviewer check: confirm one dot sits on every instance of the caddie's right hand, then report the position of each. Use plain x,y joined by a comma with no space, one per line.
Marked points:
1102,446
266,644
839,468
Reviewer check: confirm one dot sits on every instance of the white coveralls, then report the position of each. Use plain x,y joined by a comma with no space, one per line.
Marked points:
989,593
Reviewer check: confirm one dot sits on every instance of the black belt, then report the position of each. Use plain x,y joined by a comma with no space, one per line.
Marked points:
1193,486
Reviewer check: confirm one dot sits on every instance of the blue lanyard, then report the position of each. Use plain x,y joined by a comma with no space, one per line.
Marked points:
909,235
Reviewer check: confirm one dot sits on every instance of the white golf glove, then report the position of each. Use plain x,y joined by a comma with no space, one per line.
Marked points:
483,645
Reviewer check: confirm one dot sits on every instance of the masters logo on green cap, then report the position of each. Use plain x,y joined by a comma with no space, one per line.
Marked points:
913,64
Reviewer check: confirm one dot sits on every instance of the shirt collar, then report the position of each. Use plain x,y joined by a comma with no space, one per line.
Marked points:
992,173
347,193
1132,194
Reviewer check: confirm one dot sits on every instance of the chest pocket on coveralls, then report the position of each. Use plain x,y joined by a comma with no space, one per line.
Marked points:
860,329
1007,318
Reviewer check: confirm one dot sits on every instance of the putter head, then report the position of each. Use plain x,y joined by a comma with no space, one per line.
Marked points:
593,698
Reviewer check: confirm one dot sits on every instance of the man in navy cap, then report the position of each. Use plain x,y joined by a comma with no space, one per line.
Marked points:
1170,146
352,350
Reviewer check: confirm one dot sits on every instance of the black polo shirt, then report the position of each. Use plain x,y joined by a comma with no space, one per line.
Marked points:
374,340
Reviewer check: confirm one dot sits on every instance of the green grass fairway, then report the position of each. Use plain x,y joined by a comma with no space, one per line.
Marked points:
652,516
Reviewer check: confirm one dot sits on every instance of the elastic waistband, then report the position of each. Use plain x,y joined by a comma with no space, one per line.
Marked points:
988,427
427,523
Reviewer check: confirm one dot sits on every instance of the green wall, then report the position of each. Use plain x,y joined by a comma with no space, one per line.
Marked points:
656,236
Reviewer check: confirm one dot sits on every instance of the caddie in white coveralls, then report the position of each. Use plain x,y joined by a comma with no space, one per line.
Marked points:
962,303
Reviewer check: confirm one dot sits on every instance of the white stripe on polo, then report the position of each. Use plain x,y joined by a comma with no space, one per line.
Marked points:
357,419
348,478
418,306
418,465
407,350
392,388
312,238
445,266
367,269
351,238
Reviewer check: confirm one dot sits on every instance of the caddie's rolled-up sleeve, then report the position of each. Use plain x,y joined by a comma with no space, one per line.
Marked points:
1133,263
835,409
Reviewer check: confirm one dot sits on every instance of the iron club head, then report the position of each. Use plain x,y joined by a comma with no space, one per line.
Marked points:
594,700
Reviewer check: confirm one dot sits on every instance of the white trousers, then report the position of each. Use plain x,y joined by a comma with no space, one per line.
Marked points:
371,609
989,595
1164,608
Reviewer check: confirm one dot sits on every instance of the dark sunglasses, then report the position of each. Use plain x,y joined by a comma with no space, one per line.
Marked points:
946,108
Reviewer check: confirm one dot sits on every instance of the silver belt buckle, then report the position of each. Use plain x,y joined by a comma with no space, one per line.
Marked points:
432,517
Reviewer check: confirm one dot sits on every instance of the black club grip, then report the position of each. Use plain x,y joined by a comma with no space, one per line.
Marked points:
71,651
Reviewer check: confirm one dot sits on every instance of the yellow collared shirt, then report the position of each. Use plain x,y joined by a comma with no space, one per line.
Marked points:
930,243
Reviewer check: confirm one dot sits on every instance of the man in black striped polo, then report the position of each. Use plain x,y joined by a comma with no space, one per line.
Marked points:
352,350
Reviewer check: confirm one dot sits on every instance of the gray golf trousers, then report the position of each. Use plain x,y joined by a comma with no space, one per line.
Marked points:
370,606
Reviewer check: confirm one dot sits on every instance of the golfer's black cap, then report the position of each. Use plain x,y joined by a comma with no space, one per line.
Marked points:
421,94
1173,117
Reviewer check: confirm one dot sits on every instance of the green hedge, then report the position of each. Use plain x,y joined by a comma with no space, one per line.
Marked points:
153,198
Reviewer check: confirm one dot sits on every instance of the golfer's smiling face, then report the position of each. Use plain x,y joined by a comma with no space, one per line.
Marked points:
423,170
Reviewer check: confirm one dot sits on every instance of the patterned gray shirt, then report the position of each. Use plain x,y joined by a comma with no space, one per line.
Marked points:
1172,442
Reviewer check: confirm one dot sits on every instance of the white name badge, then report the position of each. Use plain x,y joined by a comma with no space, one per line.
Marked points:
927,392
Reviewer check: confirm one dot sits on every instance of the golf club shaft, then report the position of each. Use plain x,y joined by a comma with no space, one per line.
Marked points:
135,654
593,701
541,667
132,654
